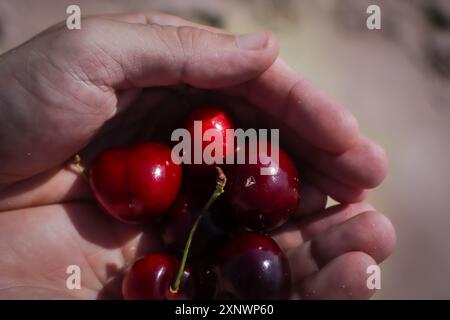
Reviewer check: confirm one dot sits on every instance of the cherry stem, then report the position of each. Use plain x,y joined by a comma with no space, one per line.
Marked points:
81,169
221,180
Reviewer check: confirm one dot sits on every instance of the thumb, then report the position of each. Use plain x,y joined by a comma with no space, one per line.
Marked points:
145,55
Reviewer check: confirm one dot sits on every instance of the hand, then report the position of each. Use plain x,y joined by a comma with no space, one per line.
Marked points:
120,78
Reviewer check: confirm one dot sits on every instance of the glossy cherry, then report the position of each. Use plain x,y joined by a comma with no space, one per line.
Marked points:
136,183
252,266
262,202
151,277
179,220
205,280
211,117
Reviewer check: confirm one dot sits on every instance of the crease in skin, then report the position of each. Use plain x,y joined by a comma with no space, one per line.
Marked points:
125,251
117,257
57,186
14,177
29,92
73,234
130,249
288,237
311,226
302,262
37,206
304,256
103,282
358,233
100,81
339,191
46,277
81,105
305,228
351,165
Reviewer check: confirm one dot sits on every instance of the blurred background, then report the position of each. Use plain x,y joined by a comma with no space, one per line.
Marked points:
396,80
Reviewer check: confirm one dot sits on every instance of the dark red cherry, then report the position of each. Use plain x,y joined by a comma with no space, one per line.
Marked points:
136,183
179,220
262,202
211,117
205,280
252,266
150,278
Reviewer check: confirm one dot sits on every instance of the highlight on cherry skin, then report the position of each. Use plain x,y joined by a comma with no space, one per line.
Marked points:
252,266
211,118
137,183
150,278
209,251
263,202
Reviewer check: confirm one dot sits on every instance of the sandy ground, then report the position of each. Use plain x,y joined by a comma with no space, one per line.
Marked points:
395,80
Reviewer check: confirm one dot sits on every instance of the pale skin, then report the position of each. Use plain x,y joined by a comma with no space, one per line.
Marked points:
59,89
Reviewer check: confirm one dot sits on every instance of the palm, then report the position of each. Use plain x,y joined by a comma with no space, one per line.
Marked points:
58,236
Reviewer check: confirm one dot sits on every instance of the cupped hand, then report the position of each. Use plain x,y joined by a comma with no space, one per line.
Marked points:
125,78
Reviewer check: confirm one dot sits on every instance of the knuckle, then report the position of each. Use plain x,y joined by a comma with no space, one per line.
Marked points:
189,48
188,39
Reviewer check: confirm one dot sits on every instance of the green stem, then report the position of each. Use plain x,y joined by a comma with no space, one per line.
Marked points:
81,169
220,185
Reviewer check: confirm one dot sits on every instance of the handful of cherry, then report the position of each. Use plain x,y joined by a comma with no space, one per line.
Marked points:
230,256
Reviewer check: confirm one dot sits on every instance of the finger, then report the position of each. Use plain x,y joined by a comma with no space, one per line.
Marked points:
335,189
363,166
287,237
160,18
345,277
303,229
55,186
311,200
158,55
314,117
368,232
317,224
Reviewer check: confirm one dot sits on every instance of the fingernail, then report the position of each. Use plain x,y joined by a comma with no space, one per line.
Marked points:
252,41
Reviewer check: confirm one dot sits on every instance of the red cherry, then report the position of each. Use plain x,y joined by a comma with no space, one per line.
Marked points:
136,183
212,117
252,266
179,220
205,280
262,202
150,278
